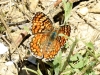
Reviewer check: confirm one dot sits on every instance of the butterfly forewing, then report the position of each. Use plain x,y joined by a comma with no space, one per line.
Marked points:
41,23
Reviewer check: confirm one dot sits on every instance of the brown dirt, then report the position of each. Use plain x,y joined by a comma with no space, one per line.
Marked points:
16,21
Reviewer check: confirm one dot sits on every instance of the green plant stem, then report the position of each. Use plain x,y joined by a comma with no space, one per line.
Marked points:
30,70
92,64
67,59
42,67
92,54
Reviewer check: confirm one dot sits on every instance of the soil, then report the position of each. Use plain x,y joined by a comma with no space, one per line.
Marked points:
15,30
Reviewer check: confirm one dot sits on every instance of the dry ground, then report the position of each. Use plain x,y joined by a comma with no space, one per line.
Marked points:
16,19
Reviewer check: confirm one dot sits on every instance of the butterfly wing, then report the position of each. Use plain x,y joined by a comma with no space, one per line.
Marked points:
41,23
65,30
43,48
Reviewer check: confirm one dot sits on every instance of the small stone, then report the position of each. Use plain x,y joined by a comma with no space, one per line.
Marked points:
9,63
83,11
3,48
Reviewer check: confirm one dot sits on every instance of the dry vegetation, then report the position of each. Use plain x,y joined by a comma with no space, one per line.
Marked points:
15,33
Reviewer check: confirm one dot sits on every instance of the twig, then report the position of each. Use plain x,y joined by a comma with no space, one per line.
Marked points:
59,1
13,45
4,2
87,21
5,40
6,26
28,16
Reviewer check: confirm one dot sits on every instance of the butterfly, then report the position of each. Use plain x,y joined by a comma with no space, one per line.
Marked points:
46,41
